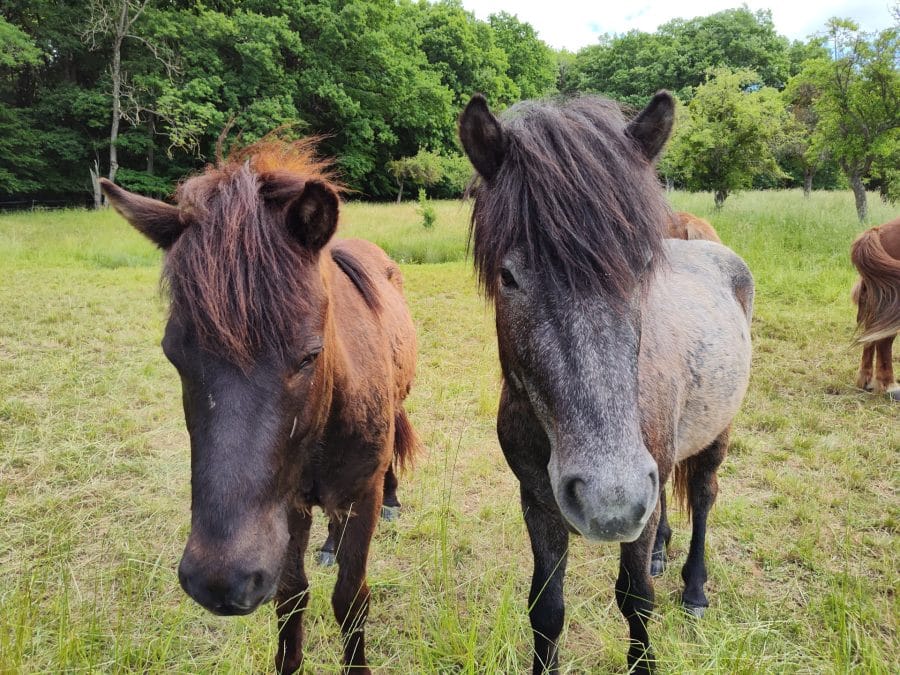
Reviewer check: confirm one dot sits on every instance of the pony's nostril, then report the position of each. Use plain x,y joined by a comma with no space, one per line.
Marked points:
639,511
572,493
256,581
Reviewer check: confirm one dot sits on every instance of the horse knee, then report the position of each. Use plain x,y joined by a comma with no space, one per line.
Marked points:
351,607
547,618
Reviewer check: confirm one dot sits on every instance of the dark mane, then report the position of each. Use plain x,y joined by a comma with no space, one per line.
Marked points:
576,193
236,271
358,275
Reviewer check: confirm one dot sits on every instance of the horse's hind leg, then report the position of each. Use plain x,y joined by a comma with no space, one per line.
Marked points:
325,556
292,597
864,376
635,597
702,487
663,537
884,369
350,599
390,507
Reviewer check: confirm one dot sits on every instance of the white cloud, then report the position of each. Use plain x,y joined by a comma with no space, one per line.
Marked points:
575,23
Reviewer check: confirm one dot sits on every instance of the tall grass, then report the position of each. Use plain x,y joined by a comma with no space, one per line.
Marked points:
94,474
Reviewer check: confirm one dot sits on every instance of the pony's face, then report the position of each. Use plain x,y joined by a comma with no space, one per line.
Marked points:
247,428
564,266
249,419
575,360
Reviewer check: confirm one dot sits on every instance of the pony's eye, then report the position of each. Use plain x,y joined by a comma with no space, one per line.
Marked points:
507,278
308,360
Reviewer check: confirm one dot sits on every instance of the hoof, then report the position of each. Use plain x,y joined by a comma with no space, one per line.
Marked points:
657,566
390,513
325,558
695,611
894,394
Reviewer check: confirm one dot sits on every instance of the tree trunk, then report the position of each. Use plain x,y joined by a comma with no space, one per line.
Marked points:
399,191
121,33
808,174
859,194
721,195
95,184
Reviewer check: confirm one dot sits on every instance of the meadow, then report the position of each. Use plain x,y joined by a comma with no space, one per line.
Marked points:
803,545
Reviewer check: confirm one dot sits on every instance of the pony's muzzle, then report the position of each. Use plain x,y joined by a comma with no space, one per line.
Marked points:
613,508
225,592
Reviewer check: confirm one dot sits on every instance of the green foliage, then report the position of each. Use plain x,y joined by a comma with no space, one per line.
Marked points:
855,96
456,173
17,50
377,80
532,66
631,67
464,53
446,175
144,183
426,210
728,135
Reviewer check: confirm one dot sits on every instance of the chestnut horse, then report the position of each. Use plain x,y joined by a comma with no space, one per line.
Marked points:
876,256
684,225
623,353
295,355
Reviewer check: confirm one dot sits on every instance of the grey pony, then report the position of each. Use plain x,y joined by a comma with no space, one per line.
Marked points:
625,355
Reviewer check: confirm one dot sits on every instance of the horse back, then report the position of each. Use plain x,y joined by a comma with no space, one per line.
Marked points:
371,308
687,226
695,347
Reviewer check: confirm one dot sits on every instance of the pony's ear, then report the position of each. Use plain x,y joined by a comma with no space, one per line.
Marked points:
482,137
652,126
161,223
312,216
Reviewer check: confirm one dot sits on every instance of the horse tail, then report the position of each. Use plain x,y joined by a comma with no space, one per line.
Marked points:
877,293
681,482
694,477
406,441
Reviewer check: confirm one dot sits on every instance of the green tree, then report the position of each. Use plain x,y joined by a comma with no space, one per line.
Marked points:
465,54
17,49
631,67
532,66
729,134
856,99
422,169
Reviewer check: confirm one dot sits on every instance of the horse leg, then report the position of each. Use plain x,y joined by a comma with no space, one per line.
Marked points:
292,597
546,607
663,537
864,376
702,487
635,597
390,506
350,599
884,369
325,555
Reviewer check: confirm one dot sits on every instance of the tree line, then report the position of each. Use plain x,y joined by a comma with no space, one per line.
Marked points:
142,90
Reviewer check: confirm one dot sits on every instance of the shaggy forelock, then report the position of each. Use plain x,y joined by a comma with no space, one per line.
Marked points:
575,195
236,273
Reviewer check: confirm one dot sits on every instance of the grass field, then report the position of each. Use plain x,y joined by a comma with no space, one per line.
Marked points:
803,545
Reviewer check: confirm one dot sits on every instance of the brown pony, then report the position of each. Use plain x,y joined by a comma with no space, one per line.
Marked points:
687,226
876,255
295,355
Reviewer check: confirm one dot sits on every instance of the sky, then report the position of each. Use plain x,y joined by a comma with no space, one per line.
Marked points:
577,23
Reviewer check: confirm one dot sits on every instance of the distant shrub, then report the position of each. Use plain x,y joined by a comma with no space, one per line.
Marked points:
426,210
